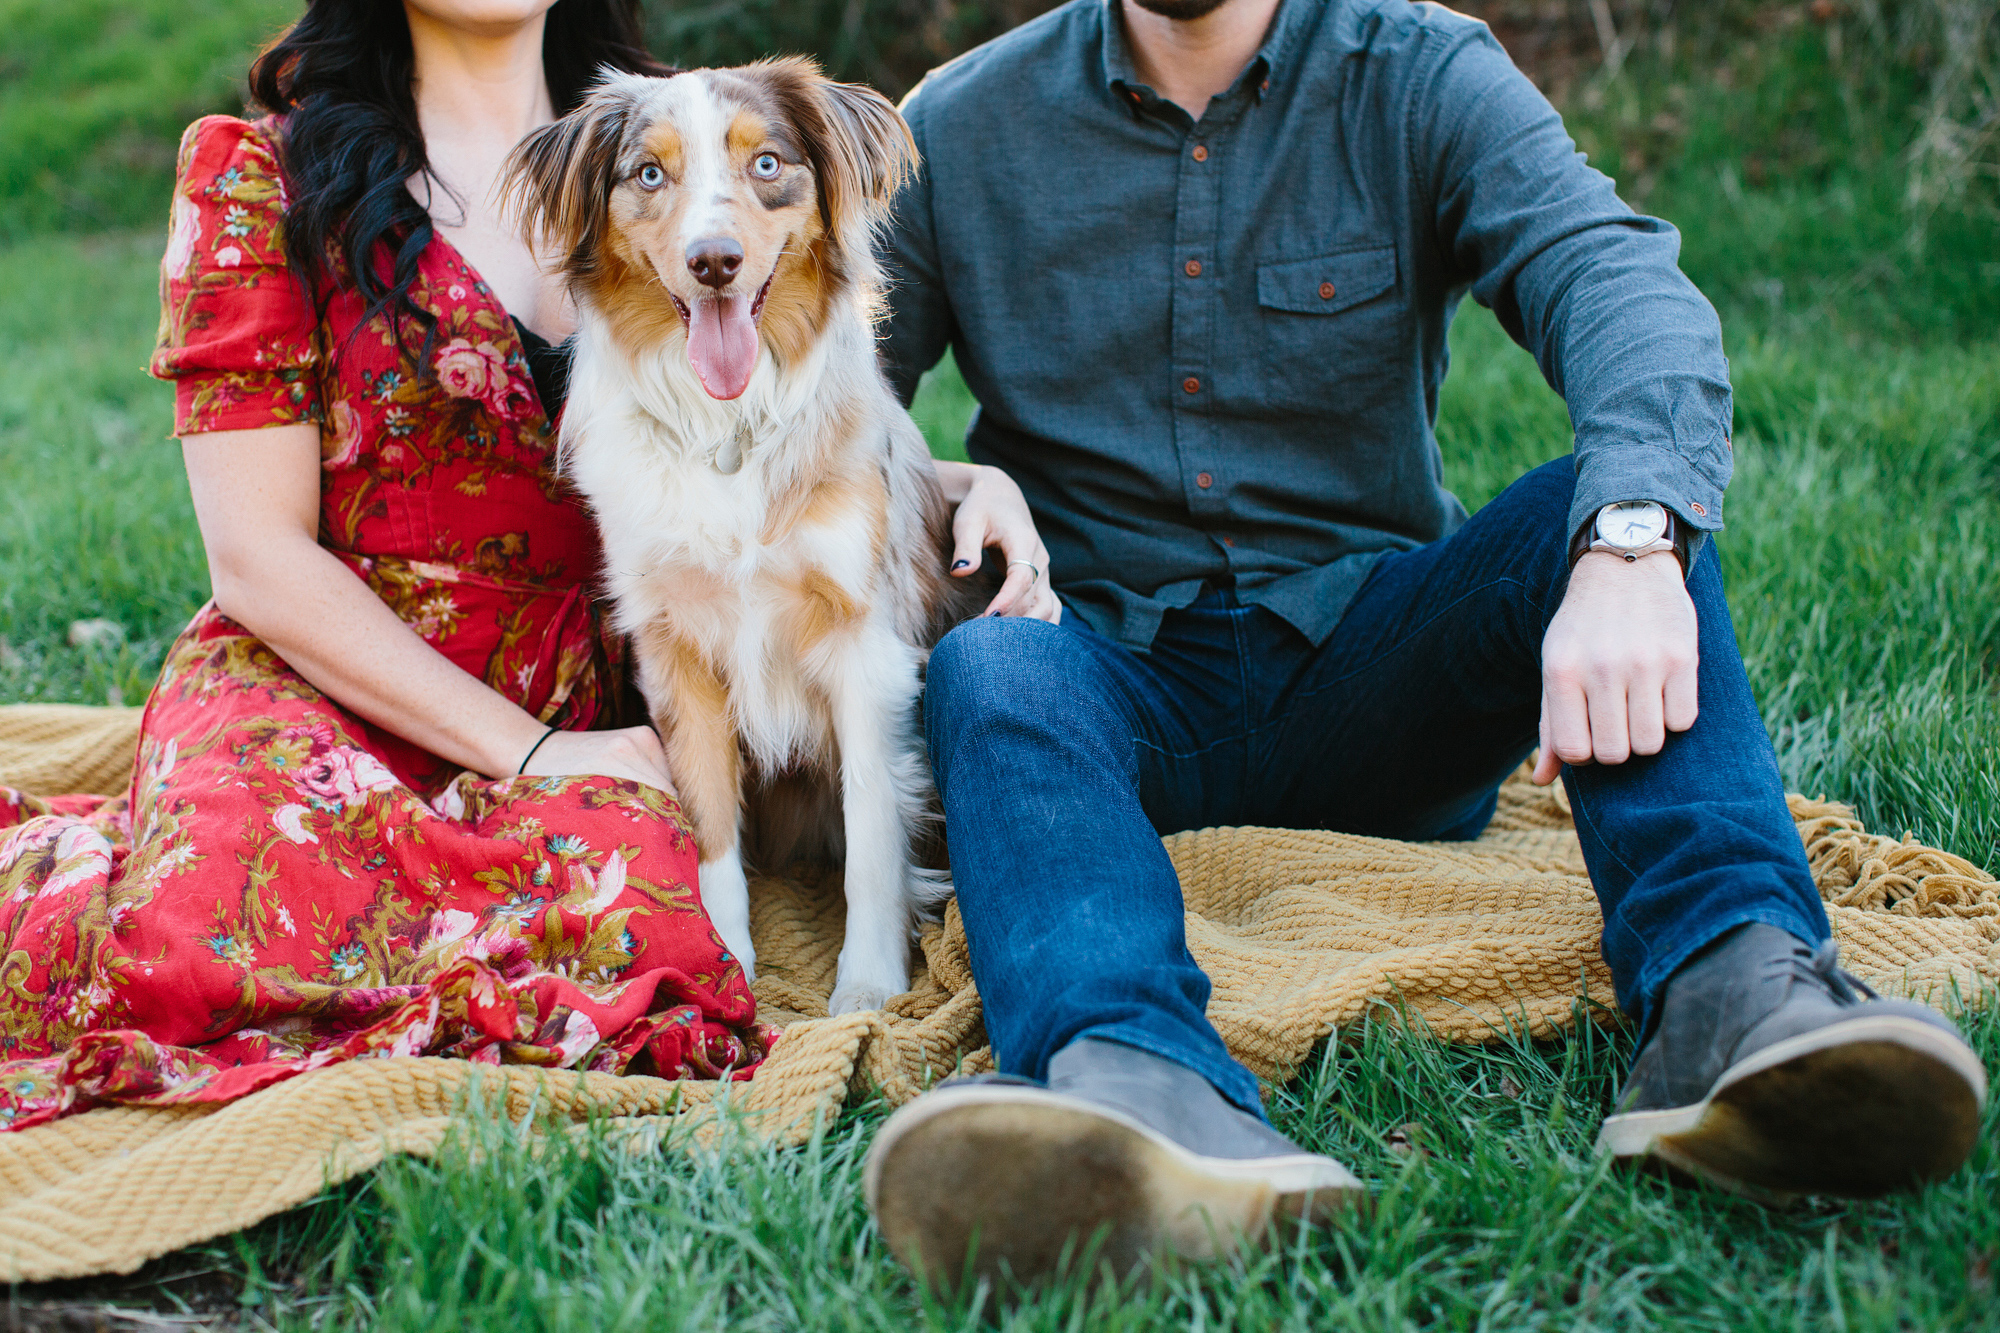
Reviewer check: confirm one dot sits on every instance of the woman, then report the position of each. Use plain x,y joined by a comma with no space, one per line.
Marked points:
384,803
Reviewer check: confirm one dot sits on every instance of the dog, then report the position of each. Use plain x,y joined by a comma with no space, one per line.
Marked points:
774,534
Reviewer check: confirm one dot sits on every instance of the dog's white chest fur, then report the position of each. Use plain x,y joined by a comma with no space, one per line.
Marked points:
712,555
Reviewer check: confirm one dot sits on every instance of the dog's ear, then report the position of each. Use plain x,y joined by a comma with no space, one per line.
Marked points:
871,152
559,179
855,141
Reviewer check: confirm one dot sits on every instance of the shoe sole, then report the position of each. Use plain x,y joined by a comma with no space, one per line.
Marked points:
1857,1109
1000,1181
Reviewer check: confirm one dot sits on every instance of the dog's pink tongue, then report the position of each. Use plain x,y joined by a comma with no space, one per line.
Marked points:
722,344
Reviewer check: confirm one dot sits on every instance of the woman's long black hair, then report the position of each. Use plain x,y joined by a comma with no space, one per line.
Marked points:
341,76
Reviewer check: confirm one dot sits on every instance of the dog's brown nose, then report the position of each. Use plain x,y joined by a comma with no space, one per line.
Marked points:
714,260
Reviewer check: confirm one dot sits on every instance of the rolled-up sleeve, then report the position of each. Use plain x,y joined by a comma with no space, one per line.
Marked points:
1593,290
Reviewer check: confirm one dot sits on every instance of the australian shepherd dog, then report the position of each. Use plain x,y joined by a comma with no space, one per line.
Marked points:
774,535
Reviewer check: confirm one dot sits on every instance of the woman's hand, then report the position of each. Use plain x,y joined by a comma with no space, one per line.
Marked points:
632,753
991,511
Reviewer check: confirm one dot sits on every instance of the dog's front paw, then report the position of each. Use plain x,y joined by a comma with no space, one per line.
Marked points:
867,978
725,894
857,997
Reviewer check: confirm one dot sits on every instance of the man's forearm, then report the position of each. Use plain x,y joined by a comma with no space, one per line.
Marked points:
1590,288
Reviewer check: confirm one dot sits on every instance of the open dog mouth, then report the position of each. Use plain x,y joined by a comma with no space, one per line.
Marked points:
722,339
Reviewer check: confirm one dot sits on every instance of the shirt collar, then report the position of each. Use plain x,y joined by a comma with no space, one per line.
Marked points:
1293,18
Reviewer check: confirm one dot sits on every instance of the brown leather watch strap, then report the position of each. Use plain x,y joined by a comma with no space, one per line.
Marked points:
1677,533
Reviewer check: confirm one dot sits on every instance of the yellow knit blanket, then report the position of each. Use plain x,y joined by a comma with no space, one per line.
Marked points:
1302,932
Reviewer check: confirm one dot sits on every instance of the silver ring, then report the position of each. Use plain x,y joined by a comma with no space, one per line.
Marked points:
1031,565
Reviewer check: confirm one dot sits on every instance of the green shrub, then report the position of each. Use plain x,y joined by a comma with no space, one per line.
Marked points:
887,43
1835,161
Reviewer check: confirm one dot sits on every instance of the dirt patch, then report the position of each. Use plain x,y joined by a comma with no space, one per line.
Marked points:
198,1289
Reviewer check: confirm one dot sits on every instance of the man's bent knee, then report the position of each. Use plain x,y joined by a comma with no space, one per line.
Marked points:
1546,492
1534,511
989,651
1001,668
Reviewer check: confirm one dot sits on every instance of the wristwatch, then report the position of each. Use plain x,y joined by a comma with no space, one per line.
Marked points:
1632,528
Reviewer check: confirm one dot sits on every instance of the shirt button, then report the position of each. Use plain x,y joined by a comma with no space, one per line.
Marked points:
1326,291
1201,152
1203,480
1191,385
1192,268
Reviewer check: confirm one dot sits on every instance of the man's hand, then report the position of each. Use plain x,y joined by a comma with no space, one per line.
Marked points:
1618,662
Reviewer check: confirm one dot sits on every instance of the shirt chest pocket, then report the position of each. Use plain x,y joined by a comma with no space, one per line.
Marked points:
1332,325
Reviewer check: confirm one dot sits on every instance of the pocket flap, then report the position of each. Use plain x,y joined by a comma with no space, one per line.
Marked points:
1328,283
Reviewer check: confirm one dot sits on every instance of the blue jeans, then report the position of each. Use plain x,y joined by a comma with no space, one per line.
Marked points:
1062,756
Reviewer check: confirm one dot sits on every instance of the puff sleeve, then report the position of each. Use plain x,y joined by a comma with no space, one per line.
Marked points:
238,335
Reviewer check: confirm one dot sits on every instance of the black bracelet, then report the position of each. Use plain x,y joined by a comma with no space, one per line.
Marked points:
531,751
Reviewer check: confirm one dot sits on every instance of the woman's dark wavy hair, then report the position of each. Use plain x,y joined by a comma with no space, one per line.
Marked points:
341,76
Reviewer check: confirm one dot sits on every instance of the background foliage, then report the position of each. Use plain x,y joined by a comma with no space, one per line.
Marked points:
1902,95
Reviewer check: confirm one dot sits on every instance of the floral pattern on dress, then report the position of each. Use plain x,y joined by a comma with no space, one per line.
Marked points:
442,478
285,885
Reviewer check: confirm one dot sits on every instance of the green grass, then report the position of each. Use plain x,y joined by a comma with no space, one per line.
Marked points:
1502,1218
94,513
1783,151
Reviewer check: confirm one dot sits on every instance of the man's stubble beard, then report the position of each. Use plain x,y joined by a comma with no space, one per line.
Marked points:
1181,10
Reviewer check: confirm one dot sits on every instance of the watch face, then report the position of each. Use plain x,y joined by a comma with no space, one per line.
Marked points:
1632,524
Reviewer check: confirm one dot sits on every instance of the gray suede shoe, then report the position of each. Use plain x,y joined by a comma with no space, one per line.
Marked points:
999,1175
1775,1074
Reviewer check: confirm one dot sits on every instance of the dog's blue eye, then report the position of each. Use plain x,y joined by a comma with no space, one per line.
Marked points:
766,166
651,177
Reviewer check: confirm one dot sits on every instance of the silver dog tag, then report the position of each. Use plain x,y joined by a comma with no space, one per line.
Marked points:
729,454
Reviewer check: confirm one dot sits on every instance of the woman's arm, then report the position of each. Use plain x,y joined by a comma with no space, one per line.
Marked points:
989,510
256,497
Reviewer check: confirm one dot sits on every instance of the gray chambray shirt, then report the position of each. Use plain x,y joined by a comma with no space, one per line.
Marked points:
1212,350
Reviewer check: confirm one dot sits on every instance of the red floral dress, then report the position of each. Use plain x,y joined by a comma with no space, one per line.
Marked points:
285,885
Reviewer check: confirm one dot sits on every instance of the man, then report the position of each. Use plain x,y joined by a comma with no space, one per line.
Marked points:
1197,260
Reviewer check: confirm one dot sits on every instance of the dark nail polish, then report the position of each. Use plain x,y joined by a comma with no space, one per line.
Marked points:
960,564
